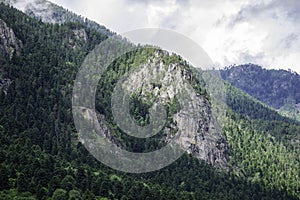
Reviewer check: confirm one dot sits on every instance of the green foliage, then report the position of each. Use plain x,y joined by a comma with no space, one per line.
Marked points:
13,194
261,116
59,194
262,158
74,195
68,182
139,109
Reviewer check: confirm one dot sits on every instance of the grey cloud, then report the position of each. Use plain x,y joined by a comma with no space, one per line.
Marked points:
275,9
181,2
274,23
246,57
290,40
290,7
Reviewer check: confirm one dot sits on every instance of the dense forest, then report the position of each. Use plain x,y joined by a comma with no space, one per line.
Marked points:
276,88
42,158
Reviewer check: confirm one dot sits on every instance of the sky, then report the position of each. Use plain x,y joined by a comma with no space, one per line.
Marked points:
264,32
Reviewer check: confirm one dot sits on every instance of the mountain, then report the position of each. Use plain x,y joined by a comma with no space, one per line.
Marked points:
278,89
255,154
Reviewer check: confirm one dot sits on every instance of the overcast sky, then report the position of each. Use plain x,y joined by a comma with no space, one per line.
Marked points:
265,32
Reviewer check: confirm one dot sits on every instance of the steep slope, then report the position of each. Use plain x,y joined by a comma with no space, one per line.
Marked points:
41,156
276,88
161,78
263,117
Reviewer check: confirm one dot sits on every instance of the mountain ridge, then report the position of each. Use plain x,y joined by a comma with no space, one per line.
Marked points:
275,88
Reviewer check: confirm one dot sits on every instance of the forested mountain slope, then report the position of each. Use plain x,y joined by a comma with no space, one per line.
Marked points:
276,88
41,156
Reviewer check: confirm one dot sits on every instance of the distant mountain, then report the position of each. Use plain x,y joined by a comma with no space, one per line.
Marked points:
276,88
52,13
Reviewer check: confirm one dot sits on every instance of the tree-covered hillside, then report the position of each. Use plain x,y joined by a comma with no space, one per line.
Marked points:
276,88
42,158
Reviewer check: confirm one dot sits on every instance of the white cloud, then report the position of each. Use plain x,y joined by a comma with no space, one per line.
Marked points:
265,32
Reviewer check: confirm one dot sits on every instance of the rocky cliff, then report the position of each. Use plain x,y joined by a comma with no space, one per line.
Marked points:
80,38
192,126
190,122
9,43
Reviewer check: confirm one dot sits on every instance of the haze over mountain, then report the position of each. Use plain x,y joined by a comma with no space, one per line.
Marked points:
254,155
52,13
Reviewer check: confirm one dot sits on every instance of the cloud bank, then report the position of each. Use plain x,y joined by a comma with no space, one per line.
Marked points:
264,32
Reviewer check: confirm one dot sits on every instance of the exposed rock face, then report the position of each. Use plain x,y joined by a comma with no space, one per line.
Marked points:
81,37
9,44
37,8
81,34
193,127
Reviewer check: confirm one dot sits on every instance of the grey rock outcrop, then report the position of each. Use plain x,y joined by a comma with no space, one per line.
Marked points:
9,43
81,34
80,38
194,127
